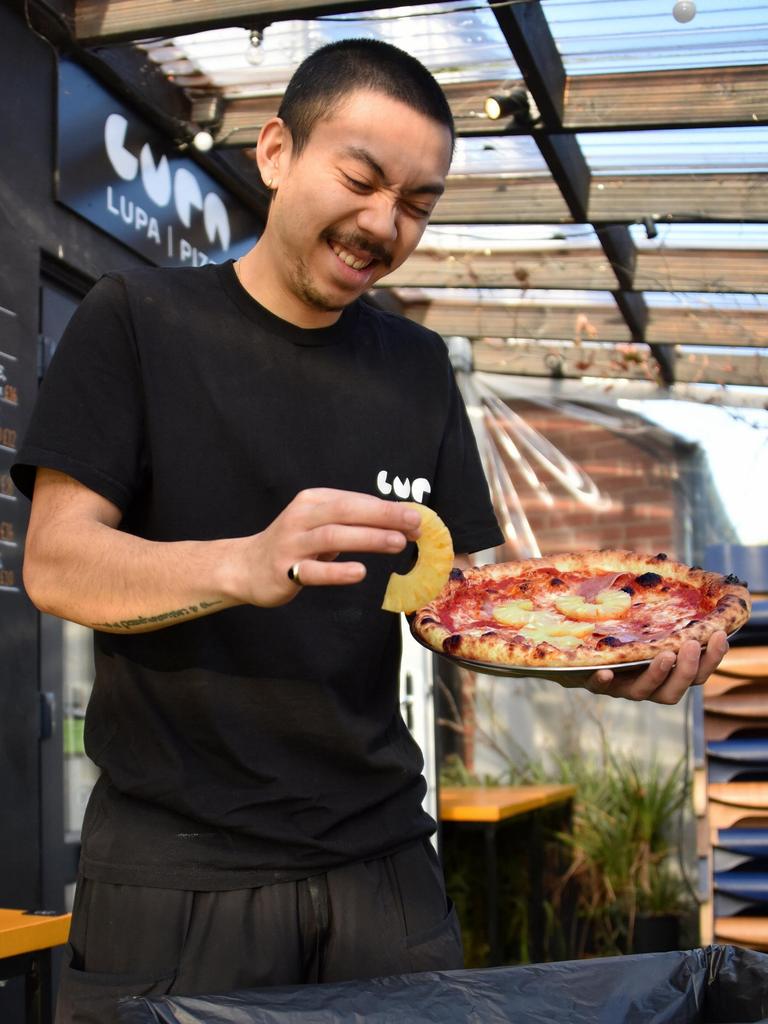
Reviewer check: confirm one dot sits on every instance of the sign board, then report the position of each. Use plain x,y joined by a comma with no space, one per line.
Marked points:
124,176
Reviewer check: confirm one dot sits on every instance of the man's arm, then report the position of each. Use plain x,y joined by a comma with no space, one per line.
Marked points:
80,566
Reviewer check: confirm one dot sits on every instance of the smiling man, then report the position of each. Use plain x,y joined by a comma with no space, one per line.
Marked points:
209,461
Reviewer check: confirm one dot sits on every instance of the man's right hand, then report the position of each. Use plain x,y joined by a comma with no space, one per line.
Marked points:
80,566
312,531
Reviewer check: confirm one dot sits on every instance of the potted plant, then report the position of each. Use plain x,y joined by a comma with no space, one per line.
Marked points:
622,879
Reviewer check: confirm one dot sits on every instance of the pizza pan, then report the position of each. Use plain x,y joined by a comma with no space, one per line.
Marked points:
566,676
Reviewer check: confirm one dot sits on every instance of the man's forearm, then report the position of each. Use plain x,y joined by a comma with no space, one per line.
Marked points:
118,583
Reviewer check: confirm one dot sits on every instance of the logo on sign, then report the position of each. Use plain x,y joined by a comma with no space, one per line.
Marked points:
161,187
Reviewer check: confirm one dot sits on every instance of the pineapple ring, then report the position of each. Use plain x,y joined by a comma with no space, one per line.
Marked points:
608,604
409,591
514,613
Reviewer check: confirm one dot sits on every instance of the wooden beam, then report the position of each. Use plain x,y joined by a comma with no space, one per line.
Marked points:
594,322
538,359
700,270
742,328
532,320
703,368
490,199
558,267
585,267
535,199
629,198
667,99
110,21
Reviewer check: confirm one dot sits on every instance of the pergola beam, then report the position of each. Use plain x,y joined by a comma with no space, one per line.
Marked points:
562,321
610,363
593,103
613,199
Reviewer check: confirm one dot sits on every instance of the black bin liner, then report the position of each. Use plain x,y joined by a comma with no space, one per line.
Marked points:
716,985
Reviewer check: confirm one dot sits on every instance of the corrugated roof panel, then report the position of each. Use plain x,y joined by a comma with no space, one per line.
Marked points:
710,150
508,237
598,36
457,42
704,236
511,156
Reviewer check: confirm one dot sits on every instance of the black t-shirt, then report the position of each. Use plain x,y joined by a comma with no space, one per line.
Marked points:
254,744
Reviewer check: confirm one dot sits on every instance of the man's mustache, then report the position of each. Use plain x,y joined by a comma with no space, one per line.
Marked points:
360,242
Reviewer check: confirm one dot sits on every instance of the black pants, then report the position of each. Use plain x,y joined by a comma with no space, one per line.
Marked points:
364,920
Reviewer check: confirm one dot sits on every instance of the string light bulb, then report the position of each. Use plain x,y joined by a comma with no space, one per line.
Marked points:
255,52
684,11
203,141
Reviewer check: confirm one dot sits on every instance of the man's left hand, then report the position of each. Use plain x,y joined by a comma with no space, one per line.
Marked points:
667,679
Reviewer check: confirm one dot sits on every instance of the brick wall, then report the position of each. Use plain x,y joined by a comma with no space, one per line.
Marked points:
638,476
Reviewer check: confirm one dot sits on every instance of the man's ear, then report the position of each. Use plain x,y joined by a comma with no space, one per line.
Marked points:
273,151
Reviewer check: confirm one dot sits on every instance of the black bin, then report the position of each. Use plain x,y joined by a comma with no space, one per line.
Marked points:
716,985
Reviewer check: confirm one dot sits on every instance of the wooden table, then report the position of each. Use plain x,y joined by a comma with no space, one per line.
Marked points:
26,940
489,807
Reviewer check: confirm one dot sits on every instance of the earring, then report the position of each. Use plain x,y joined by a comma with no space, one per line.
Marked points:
269,183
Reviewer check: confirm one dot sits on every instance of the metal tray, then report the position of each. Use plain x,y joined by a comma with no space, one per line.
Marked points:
566,676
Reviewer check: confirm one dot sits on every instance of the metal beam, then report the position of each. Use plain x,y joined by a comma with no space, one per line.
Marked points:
569,169
528,36
621,252
620,249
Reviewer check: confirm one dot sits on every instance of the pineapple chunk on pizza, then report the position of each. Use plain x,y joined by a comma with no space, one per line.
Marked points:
514,613
608,604
409,591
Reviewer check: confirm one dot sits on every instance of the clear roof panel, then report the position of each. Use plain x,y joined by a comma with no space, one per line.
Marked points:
708,300
603,36
509,237
710,150
512,296
458,42
702,236
510,156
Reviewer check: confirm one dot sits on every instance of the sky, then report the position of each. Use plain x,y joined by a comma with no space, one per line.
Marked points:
736,444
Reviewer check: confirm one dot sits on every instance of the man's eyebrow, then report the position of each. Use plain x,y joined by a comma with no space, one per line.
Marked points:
358,153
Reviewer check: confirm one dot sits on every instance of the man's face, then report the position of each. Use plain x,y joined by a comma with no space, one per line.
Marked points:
354,204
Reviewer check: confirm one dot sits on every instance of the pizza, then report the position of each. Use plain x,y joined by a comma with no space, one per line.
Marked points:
592,608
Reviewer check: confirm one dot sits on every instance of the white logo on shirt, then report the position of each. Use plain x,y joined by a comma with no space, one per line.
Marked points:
403,488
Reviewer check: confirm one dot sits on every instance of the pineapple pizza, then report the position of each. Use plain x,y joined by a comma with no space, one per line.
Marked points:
593,608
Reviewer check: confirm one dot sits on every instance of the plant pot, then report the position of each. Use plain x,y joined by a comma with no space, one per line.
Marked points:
656,933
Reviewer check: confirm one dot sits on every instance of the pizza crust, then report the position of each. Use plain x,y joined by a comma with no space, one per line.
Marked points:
499,646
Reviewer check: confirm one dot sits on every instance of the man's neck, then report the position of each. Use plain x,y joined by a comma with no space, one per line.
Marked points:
256,273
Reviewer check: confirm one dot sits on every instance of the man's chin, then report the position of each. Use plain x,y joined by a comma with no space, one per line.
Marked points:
327,303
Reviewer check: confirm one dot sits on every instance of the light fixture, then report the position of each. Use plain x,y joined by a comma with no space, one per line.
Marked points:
255,52
684,11
203,141
514,103
650,227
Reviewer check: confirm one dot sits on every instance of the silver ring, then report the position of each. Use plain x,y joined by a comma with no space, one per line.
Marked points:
293,574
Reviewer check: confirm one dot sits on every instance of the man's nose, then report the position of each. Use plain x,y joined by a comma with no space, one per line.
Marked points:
378,218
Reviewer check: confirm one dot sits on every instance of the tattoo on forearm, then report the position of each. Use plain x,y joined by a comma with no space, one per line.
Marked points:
153,620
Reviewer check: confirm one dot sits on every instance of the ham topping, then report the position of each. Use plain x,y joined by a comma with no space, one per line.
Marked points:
589,589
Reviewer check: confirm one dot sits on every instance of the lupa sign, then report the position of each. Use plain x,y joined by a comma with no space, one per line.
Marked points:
126,178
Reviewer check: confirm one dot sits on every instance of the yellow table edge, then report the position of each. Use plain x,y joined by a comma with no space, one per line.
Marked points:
27,933
497,803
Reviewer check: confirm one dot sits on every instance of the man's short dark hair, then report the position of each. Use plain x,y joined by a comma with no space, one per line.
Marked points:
333,72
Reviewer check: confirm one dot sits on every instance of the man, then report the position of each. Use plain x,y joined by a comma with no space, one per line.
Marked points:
204,457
